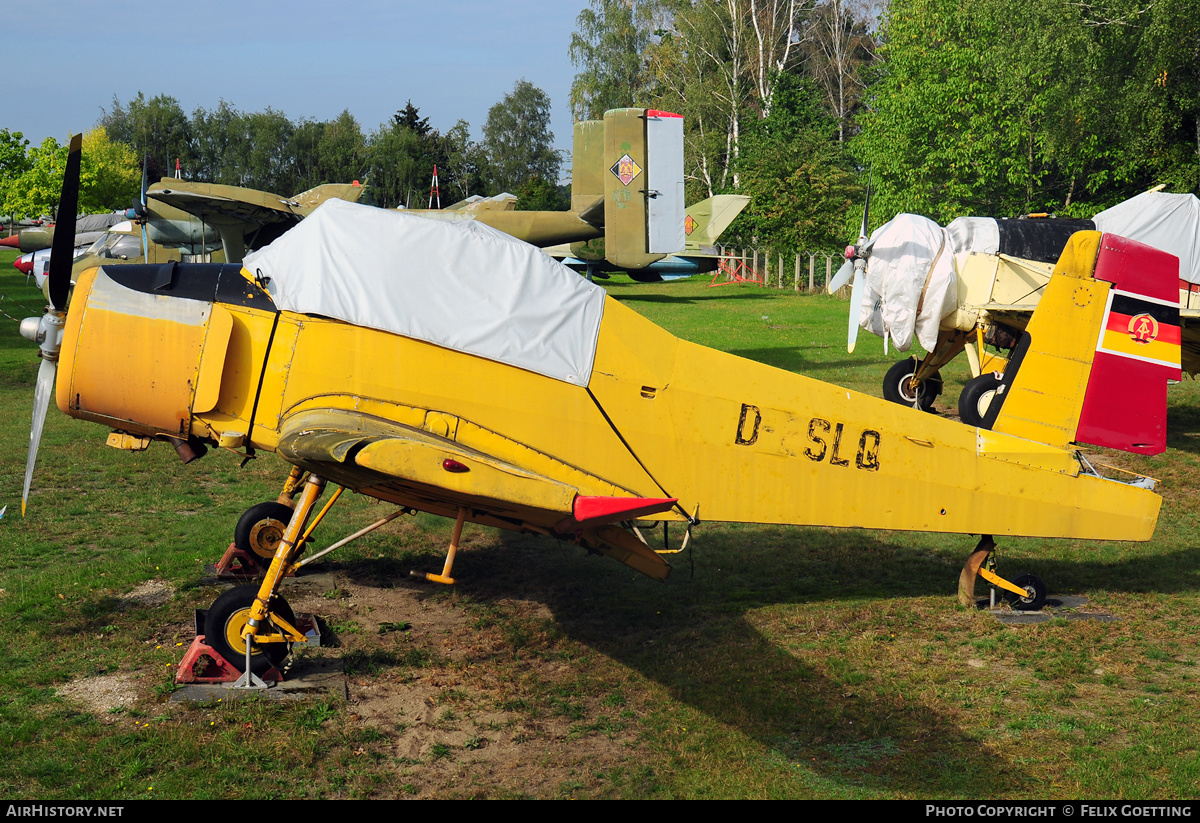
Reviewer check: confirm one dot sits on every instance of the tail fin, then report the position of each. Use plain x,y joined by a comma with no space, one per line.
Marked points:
1092,365
642,170
319,194
706,220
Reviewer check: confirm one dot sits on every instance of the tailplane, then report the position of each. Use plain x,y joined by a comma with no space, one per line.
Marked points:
328,191
1093,364
706,220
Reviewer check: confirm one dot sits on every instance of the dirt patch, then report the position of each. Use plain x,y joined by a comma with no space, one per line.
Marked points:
151,593
466,699
102,694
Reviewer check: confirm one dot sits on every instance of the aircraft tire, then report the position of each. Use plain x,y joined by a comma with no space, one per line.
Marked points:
1035,596
260,528
976,397
223,625
896,390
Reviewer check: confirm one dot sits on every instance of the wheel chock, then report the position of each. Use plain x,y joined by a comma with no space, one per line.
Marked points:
236,564
202,664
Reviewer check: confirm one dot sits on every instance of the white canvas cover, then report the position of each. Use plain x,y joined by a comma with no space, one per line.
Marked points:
1168,222
460,285
911,282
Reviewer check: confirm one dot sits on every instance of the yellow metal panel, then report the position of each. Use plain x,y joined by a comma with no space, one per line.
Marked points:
419,459
1044,402
751,443
118,362
212,360
314,358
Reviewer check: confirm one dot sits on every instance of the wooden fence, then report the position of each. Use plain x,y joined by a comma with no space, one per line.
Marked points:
800,271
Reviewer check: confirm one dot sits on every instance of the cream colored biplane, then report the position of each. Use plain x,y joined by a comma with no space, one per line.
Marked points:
450,369
974,285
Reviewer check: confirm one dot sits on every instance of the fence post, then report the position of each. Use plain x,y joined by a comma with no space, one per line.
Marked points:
812,263
828,271
796,281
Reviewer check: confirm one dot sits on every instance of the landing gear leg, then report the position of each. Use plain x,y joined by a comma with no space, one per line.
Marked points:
1025,592
263,626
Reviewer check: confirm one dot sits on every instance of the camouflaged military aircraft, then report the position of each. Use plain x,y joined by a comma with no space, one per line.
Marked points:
626,188
448,368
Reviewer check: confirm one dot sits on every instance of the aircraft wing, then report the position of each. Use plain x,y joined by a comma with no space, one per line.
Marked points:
416,467
214,203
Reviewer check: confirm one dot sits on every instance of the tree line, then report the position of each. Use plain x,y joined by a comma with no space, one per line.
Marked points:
949,107
268,151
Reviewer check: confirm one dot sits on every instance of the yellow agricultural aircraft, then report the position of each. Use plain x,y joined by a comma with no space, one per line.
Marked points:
451,369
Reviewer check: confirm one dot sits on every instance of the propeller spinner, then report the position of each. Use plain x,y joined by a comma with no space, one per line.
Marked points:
47,330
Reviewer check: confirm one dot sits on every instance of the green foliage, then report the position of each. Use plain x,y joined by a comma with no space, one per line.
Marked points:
517,140
35,191
797,175
13,150
1010,106
157,129
610,50
110,176
539,194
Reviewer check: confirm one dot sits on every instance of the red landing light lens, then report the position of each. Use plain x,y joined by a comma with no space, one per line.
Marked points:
454,466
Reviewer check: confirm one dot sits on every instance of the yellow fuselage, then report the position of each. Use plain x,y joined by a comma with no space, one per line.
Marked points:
731,439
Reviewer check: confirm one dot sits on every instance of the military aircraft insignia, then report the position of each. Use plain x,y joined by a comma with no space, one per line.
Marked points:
626,169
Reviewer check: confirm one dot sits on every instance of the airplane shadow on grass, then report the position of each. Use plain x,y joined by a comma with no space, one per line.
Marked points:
695,636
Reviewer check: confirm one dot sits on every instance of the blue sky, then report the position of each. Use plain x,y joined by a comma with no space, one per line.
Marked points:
453,58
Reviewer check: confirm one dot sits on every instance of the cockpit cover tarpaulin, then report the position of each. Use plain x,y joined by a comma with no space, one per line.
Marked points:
1168,222
460,285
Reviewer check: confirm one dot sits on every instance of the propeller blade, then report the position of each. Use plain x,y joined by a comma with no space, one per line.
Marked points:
842,277
862,231
142,214
41,402
855,309
62,252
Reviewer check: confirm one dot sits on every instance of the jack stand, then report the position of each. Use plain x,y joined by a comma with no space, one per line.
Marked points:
249,680
237,564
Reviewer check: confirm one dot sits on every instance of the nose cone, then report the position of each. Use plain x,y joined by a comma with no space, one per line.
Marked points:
24,263
13,241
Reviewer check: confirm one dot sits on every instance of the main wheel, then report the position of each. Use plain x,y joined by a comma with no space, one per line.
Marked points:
976,397
226,618
260,529
897,388
1035,593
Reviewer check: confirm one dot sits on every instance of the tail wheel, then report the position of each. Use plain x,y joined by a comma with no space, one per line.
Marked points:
226,618
1035,593
260,529
898,386
976,397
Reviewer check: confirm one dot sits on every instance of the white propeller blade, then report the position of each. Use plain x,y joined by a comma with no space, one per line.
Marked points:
842,277
855,310
41,402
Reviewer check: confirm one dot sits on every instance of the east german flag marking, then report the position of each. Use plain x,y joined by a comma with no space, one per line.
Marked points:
1139,327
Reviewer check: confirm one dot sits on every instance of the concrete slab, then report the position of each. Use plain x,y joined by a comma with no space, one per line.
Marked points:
1066,607
308,679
